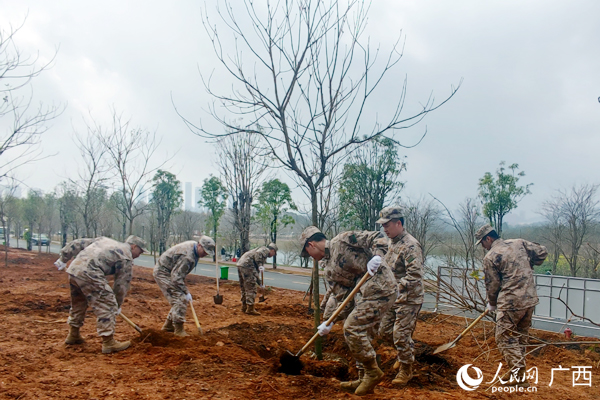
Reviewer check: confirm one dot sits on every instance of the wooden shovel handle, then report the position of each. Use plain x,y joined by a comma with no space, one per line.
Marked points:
217,267
472,325
134,326
338,310
195,316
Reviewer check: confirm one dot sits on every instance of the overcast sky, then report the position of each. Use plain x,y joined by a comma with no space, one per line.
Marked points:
531,72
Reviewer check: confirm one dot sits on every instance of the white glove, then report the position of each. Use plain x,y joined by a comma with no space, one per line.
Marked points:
119,311
59,264
324,329
491,307
373,265
188,297
261,268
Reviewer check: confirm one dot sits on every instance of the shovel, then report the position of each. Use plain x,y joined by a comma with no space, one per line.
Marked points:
218,298
290,363
450,345
261,299
196,318
134,326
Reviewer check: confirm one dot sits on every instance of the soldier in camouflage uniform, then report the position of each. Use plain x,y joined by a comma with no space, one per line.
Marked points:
510,286
71,250
405,258
249,266
347,257
169,273
89,286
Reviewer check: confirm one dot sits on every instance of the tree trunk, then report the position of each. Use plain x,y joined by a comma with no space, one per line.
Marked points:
500,225
64,235
315,280
274,240
555,261
6,236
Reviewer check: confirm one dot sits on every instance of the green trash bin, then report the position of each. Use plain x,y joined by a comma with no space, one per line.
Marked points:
224,272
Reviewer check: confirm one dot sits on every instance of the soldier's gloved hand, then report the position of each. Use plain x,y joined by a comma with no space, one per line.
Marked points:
261,268
324,329
59,264
373,265
119,311
188,297
490,307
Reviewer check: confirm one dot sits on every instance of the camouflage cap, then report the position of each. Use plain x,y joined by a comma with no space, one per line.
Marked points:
273,246
389,213
138,241
207,244
306,234
482,232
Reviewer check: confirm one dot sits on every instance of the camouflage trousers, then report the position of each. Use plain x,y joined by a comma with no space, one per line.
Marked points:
173,294
248,278
97,293
377,296
397,327
512,328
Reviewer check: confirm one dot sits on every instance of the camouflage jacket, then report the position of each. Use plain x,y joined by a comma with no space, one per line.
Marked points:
345,263
508,272
73,248
254,258
179,261
405,258
105,257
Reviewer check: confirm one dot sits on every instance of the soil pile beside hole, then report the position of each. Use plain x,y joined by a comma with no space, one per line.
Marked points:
332,368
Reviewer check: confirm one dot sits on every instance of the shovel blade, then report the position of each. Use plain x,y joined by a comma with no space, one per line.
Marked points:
218,299
261,299
444,347
290,363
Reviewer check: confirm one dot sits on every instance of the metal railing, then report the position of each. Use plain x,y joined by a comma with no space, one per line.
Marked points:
581,294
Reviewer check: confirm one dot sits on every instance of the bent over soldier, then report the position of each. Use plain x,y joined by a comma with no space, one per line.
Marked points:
89,286
169,273
510,286
405,258
71,250
249,266
347,257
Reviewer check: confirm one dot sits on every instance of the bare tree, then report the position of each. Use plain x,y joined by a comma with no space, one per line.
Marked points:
463,253
460,281
24,121
93,177
553,231
577,210
186,224
7,205
49,220
129,152
306,76
423,219
242,164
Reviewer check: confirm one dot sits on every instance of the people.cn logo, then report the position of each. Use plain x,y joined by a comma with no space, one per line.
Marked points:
465,381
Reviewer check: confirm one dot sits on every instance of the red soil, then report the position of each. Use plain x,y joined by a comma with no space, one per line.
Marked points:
238,355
